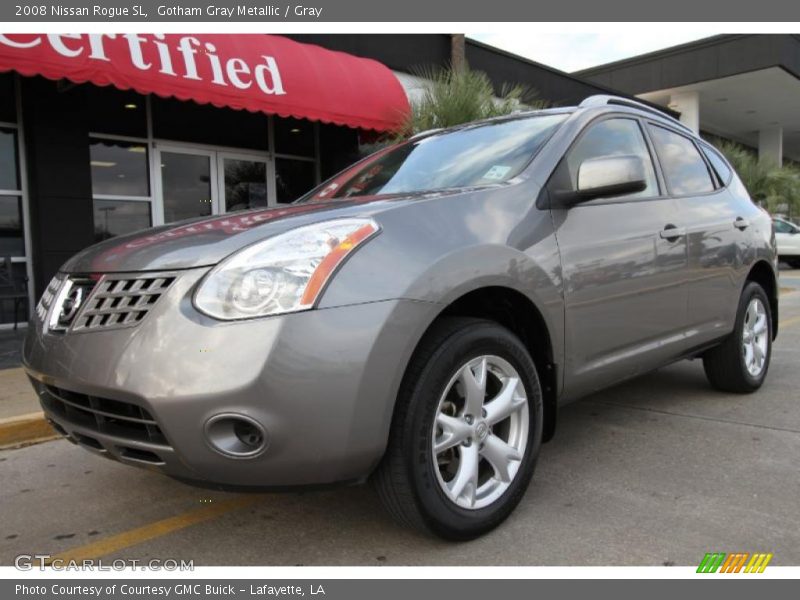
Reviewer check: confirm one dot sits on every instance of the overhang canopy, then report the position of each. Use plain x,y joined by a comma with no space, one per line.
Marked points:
259,73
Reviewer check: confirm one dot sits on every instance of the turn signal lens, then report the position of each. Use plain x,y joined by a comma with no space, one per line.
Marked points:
285,273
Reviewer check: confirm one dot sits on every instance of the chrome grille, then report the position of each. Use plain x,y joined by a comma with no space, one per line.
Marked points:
49,294
112,417
121,301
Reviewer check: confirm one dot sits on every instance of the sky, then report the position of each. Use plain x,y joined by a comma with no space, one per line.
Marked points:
575,51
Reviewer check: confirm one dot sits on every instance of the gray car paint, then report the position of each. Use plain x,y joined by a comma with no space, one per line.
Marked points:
615,298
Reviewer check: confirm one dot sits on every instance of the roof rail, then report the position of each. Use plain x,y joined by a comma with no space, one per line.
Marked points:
605,99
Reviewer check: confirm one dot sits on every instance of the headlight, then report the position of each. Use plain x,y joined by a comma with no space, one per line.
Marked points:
285,273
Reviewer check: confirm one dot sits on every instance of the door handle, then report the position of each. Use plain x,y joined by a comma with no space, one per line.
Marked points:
741,224
672,233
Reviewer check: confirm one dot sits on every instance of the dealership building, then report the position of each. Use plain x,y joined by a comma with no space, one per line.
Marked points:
101,135
744,88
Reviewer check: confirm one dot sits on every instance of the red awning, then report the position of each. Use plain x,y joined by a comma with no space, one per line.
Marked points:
264,73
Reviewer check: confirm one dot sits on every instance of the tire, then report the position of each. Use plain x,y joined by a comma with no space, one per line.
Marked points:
416,488
726,366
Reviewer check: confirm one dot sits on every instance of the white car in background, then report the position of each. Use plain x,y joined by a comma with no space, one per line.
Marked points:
787,235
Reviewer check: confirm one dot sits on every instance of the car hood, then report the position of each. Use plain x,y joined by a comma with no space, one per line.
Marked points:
206,241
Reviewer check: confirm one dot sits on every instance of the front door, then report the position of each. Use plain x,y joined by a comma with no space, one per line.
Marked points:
243,182
198,182
624,263
185,183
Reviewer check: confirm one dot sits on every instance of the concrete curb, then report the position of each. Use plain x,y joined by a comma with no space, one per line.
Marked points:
24,430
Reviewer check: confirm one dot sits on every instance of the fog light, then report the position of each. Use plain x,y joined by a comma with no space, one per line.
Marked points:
237,436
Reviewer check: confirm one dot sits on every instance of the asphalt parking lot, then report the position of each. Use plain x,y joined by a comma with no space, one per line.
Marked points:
657,471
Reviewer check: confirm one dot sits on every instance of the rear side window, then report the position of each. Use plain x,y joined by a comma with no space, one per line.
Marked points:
719,165
613,137
684,169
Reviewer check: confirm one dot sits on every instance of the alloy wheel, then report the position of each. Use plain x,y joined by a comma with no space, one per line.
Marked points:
480,432
755,337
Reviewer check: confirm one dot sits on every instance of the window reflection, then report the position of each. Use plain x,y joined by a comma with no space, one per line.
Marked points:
474,155
118,168
186,185
116,217
684,168
11,240
9,179
613,137
245,184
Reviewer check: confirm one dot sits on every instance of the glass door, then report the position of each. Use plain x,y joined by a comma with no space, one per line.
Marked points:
243,181
186,183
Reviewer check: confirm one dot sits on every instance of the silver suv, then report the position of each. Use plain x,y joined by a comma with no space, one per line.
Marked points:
419,318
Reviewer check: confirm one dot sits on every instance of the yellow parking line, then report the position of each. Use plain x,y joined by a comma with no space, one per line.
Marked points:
153,530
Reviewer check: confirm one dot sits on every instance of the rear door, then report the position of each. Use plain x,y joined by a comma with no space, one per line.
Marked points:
624,278
715,222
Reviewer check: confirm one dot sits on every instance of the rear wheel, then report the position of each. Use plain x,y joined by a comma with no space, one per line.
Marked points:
741,362
466,431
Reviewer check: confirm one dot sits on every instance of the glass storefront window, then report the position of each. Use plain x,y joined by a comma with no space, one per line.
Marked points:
118,168
293,178
245,184
115,217
11,236
294,136
9,178
186,185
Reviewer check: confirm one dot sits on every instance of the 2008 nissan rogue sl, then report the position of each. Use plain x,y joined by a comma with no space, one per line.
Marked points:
418,318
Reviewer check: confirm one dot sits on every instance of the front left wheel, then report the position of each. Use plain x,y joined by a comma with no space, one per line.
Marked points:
466,431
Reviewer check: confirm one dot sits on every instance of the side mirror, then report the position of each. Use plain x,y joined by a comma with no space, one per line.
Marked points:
608,176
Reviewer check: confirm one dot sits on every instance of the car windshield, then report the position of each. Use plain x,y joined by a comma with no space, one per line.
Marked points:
475,155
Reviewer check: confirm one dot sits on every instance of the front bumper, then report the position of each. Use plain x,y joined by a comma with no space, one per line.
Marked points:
322,383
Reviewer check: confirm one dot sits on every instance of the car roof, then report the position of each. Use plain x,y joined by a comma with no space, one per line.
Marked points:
597,103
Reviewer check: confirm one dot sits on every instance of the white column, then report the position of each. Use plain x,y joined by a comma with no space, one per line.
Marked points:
770,145
688,104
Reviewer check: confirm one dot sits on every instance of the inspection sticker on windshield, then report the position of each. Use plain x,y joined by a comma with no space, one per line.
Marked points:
497,172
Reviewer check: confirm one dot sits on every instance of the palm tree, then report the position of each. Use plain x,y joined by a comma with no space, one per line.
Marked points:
454,96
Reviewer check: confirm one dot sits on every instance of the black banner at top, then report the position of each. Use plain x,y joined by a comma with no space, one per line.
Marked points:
443,11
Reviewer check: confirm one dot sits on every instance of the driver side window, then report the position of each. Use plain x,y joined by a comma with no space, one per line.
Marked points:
612,137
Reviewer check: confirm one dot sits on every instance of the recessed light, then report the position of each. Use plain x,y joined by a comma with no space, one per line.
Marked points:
137,149
131,106
295,130
102,163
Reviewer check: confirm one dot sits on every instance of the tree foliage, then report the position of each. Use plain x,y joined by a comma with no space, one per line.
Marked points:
776,188
454,96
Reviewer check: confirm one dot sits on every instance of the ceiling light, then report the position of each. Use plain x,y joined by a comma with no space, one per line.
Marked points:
295,130
131,106
102,163
137,149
